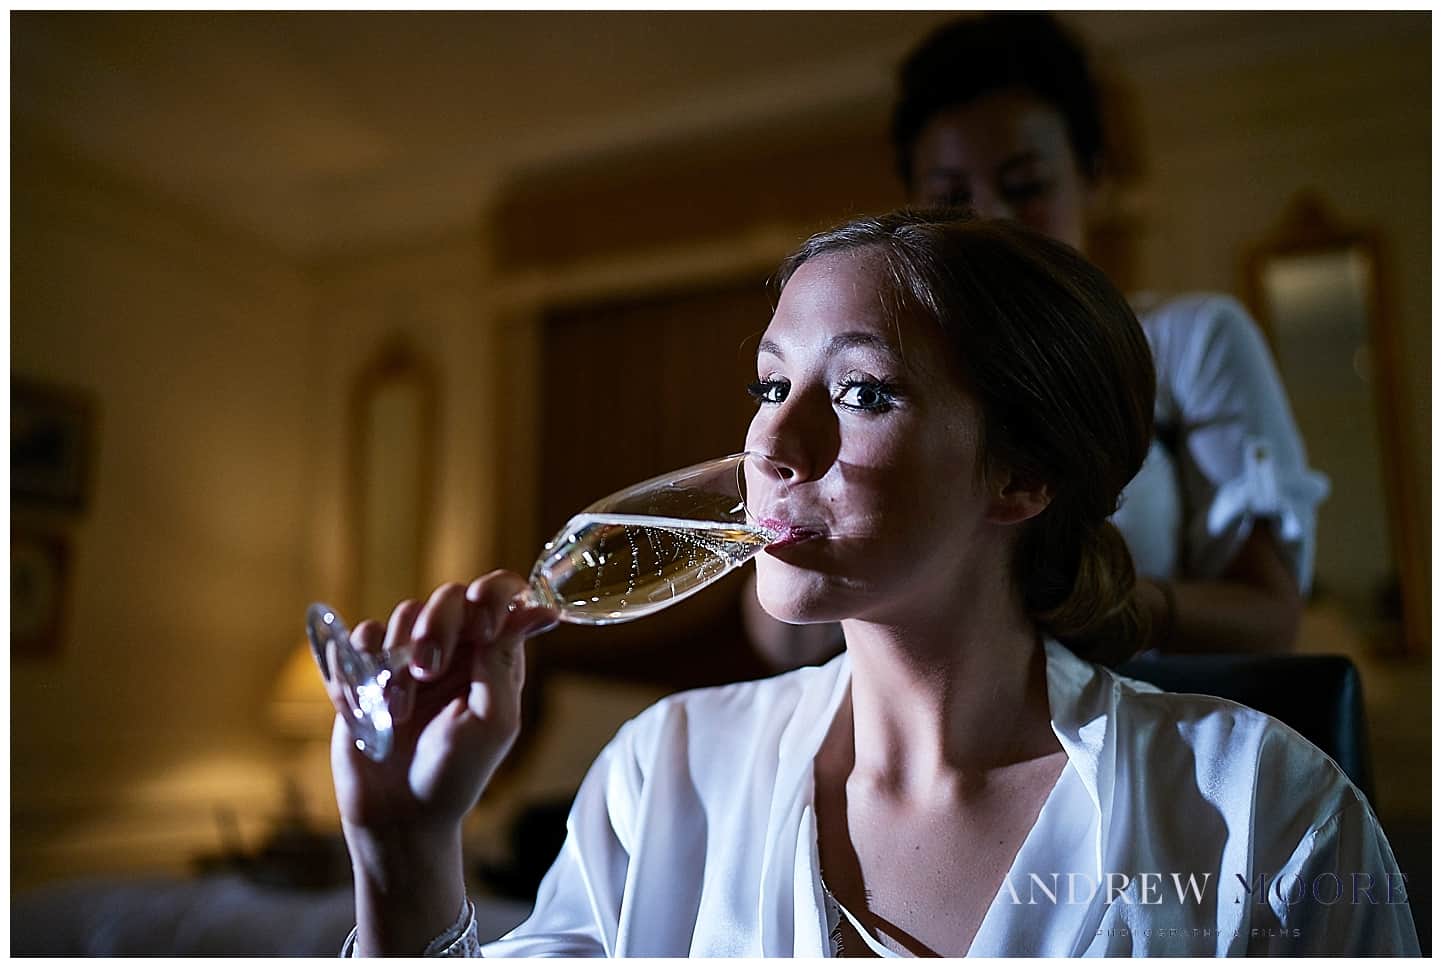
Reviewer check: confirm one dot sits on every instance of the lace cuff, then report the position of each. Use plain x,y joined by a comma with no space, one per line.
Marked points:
460,940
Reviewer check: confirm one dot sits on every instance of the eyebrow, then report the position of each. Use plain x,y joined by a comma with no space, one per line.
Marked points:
841,341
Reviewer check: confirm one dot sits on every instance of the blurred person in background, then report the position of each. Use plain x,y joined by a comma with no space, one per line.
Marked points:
1001,114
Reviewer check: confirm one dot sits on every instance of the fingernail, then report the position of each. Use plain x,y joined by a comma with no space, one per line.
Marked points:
401,698
428,659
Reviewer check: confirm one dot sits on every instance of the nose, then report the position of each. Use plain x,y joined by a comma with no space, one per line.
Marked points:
799,436
989,203
790,460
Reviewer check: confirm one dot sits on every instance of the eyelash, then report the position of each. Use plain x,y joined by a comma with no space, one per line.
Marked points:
763,391
1024,191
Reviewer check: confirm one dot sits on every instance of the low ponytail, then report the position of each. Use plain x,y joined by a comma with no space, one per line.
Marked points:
1079,586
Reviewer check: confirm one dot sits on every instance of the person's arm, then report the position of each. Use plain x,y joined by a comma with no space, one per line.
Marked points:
409,888
1249,494
1254,606
402,817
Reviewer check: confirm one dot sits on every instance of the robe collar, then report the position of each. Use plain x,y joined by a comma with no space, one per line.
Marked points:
1082,697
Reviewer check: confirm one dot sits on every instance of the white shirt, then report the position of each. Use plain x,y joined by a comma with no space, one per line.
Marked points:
694,833
1226,451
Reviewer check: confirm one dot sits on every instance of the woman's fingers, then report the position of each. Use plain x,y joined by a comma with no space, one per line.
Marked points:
509,651
491,595
400,691
506,625
435,631
498,671
402,623
479,622
369,636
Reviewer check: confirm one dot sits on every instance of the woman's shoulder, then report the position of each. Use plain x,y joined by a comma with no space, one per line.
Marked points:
1228,746
1232,721
721,719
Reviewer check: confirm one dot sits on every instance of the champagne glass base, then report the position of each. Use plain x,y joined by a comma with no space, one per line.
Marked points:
361,678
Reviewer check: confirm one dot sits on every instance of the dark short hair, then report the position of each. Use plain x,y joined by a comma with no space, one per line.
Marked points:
978,55
1064,378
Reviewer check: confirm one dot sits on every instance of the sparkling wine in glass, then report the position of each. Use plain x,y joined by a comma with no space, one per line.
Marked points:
628,555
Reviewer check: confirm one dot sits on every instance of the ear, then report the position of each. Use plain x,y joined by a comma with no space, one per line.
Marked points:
1017,498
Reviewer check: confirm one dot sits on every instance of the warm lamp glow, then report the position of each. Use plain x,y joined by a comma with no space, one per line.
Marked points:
299,706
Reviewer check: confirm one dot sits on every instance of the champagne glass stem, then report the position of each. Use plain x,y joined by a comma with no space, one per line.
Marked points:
326,623
532,596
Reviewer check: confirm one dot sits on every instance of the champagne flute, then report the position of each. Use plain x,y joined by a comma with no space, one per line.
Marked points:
628,555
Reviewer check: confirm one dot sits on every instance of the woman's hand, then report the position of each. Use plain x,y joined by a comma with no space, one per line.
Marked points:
458,718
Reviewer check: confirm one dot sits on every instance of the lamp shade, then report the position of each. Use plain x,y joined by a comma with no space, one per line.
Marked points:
299,706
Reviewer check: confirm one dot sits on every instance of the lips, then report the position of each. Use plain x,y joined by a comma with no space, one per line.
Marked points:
789,534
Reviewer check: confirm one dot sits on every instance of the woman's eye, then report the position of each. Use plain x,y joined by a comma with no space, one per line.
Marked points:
866,396
769,391
951,198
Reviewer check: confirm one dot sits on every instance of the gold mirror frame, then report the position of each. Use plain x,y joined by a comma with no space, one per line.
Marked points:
1309,229
392,417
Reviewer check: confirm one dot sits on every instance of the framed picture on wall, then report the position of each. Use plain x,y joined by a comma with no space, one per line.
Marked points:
39,567
52,439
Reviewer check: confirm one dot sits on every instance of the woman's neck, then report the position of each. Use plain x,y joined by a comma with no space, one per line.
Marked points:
936,706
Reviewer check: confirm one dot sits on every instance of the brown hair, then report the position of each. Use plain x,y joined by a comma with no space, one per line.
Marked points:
1063,374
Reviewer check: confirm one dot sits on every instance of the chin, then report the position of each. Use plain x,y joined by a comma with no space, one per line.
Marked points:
799,597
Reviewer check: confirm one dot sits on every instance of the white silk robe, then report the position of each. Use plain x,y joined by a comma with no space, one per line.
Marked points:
694,833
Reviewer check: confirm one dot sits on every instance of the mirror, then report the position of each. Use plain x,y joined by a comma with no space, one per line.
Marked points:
1316,289
392,457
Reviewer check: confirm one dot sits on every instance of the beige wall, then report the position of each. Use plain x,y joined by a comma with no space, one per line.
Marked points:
223,376
186,573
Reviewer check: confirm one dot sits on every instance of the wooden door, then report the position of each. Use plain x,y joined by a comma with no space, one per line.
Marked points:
630,389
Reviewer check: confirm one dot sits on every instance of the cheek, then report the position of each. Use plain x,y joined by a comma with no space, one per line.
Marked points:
1049,215
906,474
887,442
940,491
1062,216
